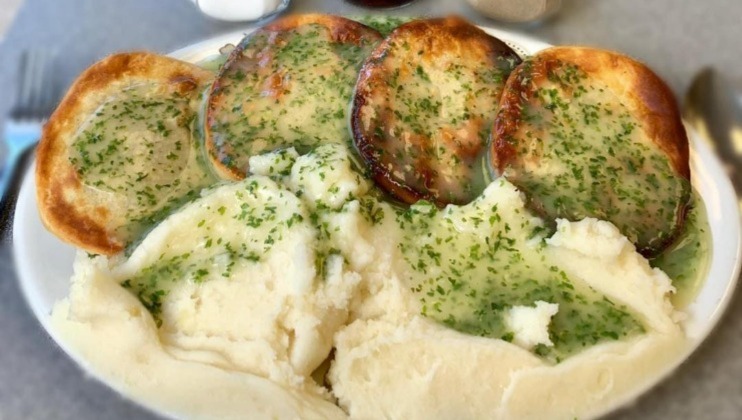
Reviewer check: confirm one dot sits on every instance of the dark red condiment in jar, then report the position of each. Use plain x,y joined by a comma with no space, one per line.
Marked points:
380,3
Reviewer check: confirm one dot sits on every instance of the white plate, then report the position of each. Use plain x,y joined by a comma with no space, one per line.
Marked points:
44,263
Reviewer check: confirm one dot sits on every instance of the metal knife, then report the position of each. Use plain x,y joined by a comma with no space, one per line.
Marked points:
713,109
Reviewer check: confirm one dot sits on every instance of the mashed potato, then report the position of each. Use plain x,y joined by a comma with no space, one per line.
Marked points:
235,300
445,374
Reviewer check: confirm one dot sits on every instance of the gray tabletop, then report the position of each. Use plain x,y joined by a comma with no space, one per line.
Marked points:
675,38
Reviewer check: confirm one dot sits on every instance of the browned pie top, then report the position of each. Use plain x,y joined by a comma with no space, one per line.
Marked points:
593,133
118,153
287,84
424,105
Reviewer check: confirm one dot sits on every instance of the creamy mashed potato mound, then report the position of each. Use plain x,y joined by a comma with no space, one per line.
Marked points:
228,306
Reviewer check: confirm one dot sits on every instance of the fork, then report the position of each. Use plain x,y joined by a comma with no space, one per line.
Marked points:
35,99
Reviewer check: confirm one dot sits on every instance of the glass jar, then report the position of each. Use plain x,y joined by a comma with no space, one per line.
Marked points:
241,10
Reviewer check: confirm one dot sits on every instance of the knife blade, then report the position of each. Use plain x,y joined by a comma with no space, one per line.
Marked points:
712,108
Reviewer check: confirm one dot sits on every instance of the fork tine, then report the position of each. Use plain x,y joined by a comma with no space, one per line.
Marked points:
36,95
48,98
22,128
37,82
24,83
31,77
46,86
51,86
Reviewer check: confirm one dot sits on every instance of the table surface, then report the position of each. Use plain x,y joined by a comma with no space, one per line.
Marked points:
675,38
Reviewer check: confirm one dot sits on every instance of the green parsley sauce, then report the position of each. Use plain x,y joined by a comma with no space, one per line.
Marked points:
593,161
466,278
468,268
384,24
213,63
237,228
429,124
687,261
140,146
296,97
